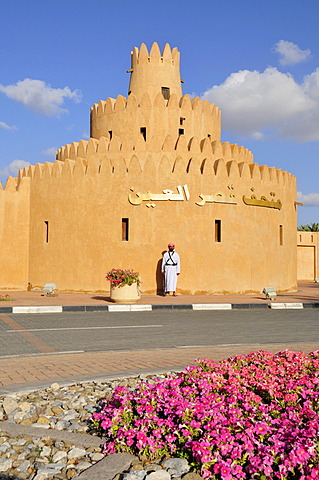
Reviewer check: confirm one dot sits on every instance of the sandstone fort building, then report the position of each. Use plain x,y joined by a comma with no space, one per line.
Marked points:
153,171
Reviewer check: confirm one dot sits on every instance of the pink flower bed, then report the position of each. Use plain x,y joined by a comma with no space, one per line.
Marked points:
248,417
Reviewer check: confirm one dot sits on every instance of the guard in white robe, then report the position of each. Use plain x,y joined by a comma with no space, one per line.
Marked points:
171,268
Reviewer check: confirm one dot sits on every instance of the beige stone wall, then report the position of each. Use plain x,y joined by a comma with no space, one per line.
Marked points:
307,256
14,234
86,240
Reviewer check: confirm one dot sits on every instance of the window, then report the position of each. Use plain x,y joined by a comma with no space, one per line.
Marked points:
125,225
165,93
218,231
181,120
110,133
46,231
180,131
143,132
281,235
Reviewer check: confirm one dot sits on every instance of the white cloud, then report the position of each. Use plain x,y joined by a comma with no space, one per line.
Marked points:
290,53
5,126
13,167
258,135
266,103
50,151
40,97
310,199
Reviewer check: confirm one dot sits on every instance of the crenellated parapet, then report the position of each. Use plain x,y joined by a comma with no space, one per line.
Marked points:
189,163
16,184
127,145
151,115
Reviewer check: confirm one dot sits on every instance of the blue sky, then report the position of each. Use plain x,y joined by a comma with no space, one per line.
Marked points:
257,60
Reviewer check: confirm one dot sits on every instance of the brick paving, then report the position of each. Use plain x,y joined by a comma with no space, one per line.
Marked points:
26,372
21,372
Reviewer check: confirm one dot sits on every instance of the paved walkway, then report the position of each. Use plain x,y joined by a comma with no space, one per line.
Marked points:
30,372
307,292
20,372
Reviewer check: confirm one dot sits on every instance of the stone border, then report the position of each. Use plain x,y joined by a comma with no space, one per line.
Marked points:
150,308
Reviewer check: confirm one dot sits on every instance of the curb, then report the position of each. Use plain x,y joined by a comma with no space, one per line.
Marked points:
150,308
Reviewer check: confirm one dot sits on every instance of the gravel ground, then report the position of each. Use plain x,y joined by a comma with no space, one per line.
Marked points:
63,455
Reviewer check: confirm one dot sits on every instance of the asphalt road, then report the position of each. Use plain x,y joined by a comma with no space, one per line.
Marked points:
98,331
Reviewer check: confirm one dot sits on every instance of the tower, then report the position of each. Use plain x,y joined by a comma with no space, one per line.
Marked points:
155,105
153,72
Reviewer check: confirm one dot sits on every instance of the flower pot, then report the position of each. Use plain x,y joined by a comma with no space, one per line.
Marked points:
126,294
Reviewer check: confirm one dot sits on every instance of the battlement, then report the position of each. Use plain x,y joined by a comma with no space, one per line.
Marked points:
105,146
16,184
150,115
184,103
215,168
168,55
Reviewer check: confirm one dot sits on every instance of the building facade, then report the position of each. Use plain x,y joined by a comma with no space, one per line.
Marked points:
307,256
153,171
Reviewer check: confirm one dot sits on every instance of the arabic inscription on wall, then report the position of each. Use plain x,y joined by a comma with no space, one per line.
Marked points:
182,194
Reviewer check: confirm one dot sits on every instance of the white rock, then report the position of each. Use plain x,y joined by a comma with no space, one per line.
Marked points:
22,455
51,469
76,452
5,464
70,416
83,466
5,446
24,406
41,425
9,405
134,475
75,426
19,416
46,451
176,466
58,456
24,466
159,475
62,425
55,386
95,457
39,476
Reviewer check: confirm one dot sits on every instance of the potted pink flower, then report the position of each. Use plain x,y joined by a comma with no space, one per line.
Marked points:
124,285
5,298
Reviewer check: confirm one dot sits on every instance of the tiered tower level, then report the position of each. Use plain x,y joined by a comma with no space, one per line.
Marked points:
154,170
155,107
